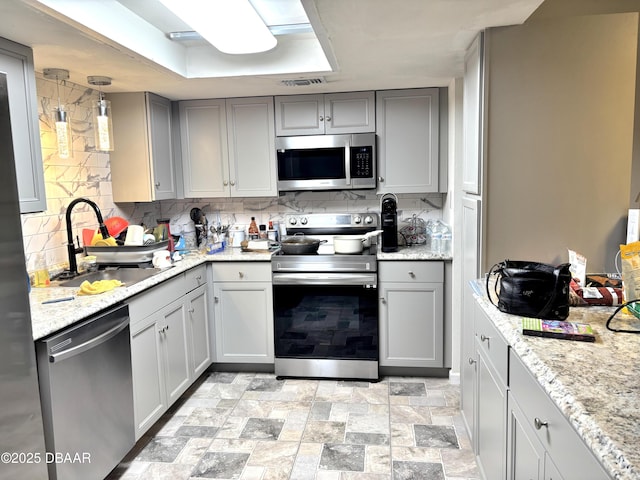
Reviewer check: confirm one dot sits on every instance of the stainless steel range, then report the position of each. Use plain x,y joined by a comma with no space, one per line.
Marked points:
326,304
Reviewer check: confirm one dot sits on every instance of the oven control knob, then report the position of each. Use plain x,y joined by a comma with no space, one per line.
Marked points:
303,220
293,221
357,219
368,219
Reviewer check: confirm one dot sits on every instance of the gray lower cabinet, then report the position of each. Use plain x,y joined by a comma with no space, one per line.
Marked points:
243,312
517,432
491,398
411,313
169,344
16,62
563,455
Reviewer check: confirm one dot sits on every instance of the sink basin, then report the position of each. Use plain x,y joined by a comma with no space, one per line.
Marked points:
128,276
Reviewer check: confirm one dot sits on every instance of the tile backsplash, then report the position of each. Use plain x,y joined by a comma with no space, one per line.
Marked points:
87,174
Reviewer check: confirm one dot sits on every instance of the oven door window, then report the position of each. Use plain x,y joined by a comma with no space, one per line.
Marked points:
328,322
312,164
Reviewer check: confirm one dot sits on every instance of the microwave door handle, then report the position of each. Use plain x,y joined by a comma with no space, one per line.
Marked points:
347,157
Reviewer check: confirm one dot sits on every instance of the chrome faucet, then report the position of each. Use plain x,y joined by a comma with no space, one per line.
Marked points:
72,250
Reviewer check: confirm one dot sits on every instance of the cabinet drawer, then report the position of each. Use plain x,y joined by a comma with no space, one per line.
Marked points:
570,454
152,300
401,271
195,277
241,272
492,343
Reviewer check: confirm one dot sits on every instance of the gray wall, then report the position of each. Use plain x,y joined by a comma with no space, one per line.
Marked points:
559,138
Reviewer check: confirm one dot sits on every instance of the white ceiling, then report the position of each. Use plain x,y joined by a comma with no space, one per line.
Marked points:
373,44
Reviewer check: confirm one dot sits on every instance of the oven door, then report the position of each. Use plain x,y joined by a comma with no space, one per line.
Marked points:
326,324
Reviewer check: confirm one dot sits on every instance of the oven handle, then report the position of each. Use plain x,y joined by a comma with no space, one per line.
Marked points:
335,279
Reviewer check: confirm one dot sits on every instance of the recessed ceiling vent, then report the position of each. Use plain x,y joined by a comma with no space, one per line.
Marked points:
303,82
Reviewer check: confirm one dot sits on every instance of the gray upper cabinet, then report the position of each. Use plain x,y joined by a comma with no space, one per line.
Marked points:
16,62
408,128
142,163
333,113
228,147
472,118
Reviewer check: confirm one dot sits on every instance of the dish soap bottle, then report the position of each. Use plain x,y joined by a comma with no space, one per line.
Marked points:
254,233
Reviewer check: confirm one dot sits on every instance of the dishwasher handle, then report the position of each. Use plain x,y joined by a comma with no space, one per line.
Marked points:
94,342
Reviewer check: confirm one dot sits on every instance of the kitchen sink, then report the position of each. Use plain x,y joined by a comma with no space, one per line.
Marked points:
128,276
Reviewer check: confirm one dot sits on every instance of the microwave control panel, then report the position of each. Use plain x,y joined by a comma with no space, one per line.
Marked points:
362,162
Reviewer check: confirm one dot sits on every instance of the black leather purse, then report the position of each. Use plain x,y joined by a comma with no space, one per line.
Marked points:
530,289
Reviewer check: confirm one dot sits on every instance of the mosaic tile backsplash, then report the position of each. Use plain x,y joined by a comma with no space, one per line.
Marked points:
87,174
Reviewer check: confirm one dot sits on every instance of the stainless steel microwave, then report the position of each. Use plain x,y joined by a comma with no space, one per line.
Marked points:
326,162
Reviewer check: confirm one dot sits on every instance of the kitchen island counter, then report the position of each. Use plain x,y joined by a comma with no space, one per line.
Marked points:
49,318
595,385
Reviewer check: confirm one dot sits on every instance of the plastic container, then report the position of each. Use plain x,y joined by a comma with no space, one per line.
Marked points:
41,273
254,233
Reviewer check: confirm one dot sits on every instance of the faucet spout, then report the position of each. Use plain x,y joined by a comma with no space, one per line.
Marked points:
71,248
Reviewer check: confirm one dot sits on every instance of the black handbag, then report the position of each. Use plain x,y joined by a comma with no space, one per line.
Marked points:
531,289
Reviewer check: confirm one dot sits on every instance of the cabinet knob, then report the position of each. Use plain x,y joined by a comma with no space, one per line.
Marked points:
484,338
241,274
191,310
321,118
157,184
383,300
539,423
232,183
328,118
225,183
381,179
471,361
411,274
216,299
198,278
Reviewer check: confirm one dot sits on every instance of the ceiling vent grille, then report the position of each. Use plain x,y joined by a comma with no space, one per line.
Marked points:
303,82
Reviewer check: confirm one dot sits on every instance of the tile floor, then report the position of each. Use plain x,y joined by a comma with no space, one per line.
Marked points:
255,427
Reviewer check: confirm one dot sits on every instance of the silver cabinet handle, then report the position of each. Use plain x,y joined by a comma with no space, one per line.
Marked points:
191,309
328,118
411,274
198,278
321,118
383,300
484,338
240,274
471,361
225,183
539,423
157,184
381,179
216,299
232,183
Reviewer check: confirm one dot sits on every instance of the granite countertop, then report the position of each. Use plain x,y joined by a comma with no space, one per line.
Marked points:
596,385
49,318
413,252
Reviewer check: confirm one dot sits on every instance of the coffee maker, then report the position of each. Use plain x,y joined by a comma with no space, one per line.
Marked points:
389,221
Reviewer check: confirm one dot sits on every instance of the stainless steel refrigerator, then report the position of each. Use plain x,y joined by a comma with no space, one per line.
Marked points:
21,430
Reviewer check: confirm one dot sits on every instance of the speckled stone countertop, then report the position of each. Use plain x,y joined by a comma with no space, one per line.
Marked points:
596,385
49,318
413,252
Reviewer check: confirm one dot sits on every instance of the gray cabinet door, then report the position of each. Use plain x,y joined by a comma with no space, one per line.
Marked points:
408,126
16,62
160,138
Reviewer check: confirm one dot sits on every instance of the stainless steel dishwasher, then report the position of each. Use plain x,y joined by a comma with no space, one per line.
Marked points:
87,396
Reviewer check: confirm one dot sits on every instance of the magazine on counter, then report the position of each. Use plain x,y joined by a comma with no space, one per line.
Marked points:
558,329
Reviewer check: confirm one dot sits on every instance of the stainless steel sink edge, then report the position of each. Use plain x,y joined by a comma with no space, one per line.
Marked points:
128,276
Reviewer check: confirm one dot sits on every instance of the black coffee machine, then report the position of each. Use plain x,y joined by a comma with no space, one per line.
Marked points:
389,221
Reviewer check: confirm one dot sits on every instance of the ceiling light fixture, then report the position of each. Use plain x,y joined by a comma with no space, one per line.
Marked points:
102,127
276,30
232,26
63,128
